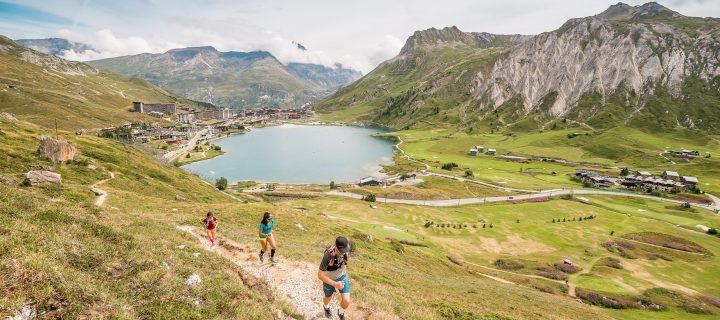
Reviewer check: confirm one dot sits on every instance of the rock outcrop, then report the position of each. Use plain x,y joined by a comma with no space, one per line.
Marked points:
8,116
617,49
34,178
56,150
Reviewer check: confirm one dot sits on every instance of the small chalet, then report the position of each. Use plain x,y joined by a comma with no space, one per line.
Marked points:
491,152
480,149
670,175
643,174
687,180
370,181
474,152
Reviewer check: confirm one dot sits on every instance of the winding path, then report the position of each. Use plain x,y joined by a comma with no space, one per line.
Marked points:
100,193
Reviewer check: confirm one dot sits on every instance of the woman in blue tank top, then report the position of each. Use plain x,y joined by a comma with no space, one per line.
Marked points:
265,236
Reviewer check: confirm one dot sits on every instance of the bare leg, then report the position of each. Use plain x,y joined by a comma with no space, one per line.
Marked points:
214,237
326,300
271,239
209,234
344,300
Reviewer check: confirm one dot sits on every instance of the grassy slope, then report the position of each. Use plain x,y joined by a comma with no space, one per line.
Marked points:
430,86
536,241
42,95
67,258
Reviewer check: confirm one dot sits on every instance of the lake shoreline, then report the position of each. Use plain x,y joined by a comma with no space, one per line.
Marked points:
332,157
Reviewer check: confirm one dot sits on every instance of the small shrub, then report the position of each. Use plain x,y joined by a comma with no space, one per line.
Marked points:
449,166
567,268
712,231
428,224
221,183
332,185
509,264
468,173
370,198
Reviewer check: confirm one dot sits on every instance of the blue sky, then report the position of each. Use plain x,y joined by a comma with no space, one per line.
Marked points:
360,34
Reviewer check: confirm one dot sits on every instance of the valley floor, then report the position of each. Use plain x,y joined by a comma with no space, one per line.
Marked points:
67,254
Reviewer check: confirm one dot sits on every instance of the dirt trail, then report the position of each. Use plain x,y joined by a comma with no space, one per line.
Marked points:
295,281
101,194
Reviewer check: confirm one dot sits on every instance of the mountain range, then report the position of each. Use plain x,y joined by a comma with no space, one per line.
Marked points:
228,79
233,79
644,66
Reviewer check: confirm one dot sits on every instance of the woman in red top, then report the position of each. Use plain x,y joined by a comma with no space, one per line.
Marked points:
210,223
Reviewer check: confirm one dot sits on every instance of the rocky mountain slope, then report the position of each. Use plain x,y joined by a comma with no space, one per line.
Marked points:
644,66
42,88
232,79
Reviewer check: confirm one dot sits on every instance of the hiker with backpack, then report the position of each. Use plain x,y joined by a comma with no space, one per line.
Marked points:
333,274
210,223
266,236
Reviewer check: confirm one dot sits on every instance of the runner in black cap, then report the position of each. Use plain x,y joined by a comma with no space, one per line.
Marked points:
333,274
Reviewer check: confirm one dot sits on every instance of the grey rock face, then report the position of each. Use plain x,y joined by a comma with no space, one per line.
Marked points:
33,178
592,55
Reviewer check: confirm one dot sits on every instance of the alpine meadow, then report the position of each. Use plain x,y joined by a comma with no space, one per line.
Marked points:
146,150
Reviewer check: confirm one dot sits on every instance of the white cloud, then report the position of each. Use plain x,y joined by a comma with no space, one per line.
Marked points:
106,44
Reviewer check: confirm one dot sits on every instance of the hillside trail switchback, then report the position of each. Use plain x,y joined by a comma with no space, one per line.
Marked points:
295,281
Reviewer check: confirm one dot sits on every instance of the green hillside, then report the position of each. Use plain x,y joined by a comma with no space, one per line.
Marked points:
428,87
40,88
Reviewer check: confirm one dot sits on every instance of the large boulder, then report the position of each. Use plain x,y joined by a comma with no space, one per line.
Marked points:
33,178
56,150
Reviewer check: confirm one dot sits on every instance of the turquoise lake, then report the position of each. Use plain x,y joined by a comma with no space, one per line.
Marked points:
298,154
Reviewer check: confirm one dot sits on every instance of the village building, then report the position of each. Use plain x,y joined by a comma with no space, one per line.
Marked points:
491,152
205,115
370,181
164,108
473,152
480,149
670,175
687,180
643,174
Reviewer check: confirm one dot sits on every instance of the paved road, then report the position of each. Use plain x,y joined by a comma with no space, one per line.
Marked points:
542,194
716,201
171,155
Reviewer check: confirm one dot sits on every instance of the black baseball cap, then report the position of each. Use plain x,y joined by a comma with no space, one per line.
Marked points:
341,243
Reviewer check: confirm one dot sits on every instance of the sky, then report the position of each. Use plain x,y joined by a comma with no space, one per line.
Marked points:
357,34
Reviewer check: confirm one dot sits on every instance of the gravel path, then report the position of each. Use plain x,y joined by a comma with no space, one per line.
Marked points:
295,281
100,193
